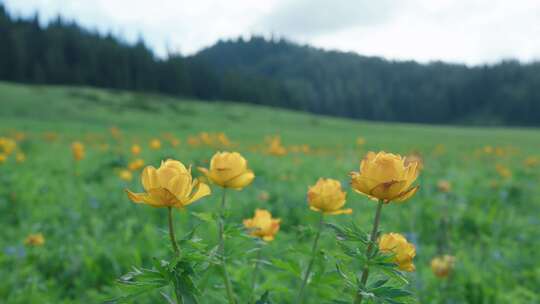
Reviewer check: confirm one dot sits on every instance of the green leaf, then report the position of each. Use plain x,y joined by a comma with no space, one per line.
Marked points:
264,299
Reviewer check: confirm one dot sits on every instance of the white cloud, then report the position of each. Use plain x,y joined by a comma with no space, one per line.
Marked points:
471,31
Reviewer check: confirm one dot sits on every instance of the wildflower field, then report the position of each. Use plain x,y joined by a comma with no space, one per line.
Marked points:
291,225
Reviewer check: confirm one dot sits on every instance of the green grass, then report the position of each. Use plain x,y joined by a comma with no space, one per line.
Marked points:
94,234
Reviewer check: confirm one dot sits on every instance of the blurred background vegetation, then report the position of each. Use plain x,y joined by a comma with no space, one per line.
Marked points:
275,72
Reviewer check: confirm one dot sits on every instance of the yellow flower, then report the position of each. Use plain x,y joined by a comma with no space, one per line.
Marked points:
275,147
78,150
193,141
531,161
8,145
171,185
35,240
223,139
327,197
3,158
444,186
136,164
403,251
155,144
503,171
442,266
20,157
175,142
136,149
385,176
360,141
229,170
262,225
115,132
125,175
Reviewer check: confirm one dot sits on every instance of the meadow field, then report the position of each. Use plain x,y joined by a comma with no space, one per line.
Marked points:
479,200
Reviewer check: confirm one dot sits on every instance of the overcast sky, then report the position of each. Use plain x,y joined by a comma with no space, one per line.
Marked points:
468,31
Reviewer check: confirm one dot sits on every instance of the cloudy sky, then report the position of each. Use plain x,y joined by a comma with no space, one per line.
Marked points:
468,31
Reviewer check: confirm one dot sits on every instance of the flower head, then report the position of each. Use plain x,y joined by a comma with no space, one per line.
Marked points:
385,176
136,164
171,185
262,225
35,240
229,170
20,157
403,251
136,149
442,266
327,197
3,158
155,144
77,148
125,175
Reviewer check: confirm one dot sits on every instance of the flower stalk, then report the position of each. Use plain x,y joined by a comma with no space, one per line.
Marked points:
172,236
369,251
221,250
255,272
310,265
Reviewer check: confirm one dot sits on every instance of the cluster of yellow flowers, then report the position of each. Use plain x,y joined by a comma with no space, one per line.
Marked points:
442,266
209,139
9,145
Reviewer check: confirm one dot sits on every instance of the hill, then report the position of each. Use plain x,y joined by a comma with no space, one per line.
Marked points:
275,72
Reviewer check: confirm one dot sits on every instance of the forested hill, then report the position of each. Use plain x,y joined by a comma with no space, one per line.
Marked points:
275,72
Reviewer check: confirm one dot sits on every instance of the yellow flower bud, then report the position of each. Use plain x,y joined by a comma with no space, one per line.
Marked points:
136,164
155,144
35,240
262,225
77,149
171,185
403,251
442,266
229,170
136,150
125,175
327,197
385,176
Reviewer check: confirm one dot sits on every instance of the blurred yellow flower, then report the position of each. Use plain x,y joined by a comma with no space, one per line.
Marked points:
403,251
262,225
360,141
229,170
35,240
275,147
503,171
115,132
171,185
50,136
223,140
442,266
385,176
175,142
444,186
8,145
77,148
20,157
415,157
155,144
193,141
136,164
3,158
531,161
327,197
136,149
19,136
125,175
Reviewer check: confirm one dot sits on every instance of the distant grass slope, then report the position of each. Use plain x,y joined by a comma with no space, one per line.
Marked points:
76,108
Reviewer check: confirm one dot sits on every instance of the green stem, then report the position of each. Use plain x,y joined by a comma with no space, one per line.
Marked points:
310,265
255,272
369,250
221,250
171,232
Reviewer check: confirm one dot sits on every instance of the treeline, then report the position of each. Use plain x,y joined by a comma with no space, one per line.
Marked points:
275,72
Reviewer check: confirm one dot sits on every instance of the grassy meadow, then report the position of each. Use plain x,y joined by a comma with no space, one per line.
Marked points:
489,220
